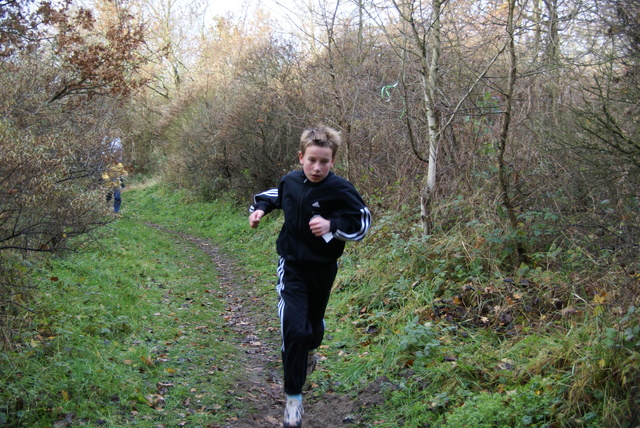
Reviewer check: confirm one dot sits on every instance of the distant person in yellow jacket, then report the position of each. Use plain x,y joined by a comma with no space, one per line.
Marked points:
113,179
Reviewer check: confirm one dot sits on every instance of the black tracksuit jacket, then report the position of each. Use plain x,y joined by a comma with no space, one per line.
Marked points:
334,198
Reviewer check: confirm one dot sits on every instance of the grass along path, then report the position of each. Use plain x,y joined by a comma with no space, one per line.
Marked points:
132,333
169,320
156,327
256,391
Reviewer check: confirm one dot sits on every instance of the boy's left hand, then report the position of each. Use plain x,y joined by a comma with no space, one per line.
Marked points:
319,225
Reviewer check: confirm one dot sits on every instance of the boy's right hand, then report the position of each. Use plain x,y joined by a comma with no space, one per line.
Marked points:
254,218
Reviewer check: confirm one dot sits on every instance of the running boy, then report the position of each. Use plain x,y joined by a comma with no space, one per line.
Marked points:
321,212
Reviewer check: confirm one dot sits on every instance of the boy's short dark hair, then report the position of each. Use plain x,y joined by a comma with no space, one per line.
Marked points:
322,136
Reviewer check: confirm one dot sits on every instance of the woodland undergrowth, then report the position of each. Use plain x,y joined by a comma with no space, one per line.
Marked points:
453,326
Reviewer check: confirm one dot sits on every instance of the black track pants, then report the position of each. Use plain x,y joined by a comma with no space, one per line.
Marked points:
304,290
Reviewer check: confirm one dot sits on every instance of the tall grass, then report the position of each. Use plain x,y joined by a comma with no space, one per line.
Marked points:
127,332
468,341
449,333
454,333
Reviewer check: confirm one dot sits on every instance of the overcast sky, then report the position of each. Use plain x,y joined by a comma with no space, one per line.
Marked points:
221,7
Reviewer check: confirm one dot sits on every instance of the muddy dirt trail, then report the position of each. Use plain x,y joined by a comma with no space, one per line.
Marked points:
259,394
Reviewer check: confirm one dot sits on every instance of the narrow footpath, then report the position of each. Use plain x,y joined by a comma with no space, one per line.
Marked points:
259,394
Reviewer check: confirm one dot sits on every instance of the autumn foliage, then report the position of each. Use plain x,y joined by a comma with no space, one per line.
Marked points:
62,79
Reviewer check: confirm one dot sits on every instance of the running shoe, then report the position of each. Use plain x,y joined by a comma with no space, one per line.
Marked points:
293,412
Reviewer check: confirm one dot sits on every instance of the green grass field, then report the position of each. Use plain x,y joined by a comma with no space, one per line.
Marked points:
132,332
127,333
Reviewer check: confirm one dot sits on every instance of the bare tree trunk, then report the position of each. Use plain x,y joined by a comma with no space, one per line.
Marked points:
503,138
537,33
343,121
553,38
428,50
431,71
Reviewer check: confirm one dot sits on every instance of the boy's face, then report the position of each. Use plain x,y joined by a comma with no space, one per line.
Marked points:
316,162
